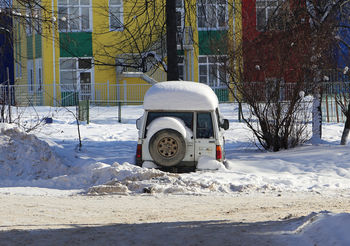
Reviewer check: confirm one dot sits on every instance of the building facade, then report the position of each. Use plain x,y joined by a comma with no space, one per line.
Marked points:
106,50
6,49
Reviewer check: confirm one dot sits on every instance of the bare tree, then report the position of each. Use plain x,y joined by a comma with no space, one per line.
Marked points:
280,64
324,24
34,17
344,43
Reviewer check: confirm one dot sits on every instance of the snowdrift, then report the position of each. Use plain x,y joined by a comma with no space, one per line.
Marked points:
321,228
24,156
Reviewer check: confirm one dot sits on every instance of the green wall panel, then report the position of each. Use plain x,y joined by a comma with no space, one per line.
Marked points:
75,44
30,47
38,46
210,41
180,52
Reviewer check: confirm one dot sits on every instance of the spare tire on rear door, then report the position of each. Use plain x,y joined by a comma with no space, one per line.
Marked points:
167,147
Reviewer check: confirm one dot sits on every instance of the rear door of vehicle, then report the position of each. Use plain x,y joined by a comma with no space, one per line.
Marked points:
205,144
188,119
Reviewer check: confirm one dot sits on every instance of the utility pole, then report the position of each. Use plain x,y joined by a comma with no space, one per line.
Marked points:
171,29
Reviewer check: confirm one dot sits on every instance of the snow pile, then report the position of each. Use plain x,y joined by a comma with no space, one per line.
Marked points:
149,164
209,163
24,156
130,179
324,229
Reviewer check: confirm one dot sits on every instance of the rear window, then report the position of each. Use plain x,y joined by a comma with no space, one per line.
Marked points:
187,117
204,125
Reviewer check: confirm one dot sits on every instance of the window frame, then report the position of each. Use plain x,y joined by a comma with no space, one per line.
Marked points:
215,6
266,7
75,85
180,10
39,81
211,122
18,70
33,20
30,75
181,67
121,7
67,14
68,86
208,64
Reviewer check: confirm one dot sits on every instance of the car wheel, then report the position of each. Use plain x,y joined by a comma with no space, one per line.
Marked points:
167,147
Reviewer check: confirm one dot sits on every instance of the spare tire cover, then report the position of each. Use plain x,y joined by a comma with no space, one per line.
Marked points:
167,147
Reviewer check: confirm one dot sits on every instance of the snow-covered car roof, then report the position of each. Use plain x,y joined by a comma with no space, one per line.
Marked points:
180,95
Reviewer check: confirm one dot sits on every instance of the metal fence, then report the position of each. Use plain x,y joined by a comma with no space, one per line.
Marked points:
106,94
331,111
331,92
70,94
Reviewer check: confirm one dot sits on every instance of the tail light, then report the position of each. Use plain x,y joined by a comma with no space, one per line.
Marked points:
218,153
139,151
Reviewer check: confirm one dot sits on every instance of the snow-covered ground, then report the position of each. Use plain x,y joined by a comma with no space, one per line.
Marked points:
47,162
48,158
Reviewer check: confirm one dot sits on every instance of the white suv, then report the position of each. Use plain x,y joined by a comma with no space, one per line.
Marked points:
181,123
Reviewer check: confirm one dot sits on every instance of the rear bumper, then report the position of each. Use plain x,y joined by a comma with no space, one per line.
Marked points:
138,161
184,165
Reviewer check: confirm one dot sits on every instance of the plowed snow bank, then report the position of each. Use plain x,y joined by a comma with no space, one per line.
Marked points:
24,156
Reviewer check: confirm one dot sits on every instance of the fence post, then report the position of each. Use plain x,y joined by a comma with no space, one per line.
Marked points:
9,93
108,92
336,110
119,112
87,111
327,109
125,92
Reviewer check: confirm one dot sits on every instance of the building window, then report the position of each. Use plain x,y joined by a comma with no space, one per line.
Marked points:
265,9
212,71
181,67
180,22
39,74
34,20
40,79
28,20
37,20
180,14
116,15
212,14
68,74
74,15
18,68
74,72
30,75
